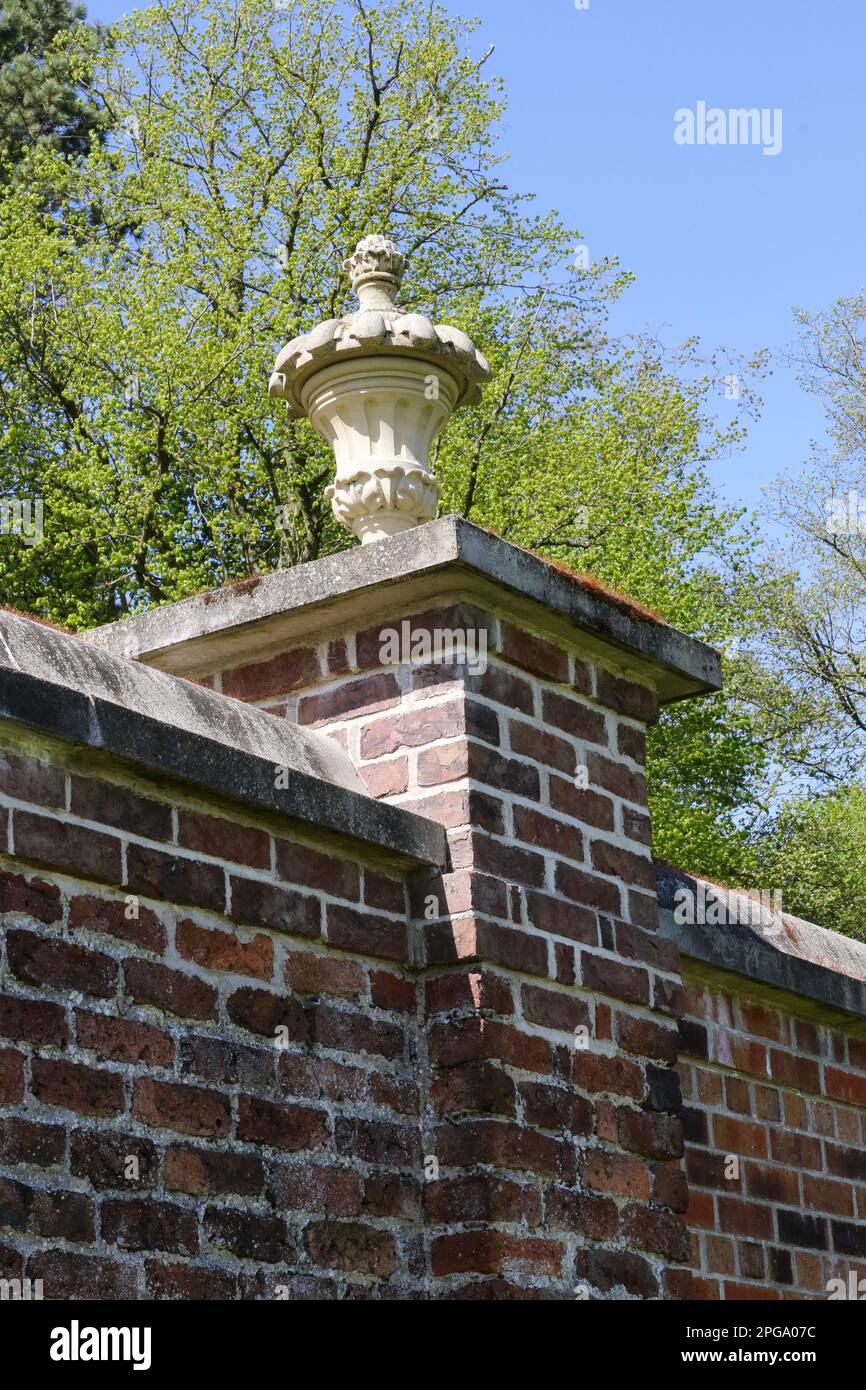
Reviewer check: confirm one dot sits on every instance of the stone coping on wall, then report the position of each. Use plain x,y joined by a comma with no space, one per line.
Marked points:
774,950
442,560
53,683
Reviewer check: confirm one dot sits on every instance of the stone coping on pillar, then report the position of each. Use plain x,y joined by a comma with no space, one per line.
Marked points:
445,559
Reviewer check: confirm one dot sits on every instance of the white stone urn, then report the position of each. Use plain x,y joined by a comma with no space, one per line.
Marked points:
379,385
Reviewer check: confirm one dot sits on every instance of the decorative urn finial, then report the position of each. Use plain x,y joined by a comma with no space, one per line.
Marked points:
379,385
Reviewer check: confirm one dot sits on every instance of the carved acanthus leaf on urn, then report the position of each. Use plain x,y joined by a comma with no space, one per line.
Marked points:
379,385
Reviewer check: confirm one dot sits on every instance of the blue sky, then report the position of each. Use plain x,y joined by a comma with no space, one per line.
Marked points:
723,240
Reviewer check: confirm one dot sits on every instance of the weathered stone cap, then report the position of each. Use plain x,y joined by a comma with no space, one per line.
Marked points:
441,560
755,939
52,682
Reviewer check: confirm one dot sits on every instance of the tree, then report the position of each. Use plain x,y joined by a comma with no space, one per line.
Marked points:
251,148
45,53
817,619
813,852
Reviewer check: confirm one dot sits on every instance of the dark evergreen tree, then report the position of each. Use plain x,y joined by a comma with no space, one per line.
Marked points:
44,92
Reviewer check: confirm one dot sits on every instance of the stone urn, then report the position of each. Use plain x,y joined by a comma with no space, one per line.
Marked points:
379,385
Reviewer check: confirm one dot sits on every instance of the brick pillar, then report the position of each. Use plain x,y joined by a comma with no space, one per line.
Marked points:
547,1002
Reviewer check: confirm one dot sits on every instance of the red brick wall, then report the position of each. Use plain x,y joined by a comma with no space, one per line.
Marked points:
775,1113
156,1137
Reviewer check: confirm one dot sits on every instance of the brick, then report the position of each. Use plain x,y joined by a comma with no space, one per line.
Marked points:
120,808
173,990
145,1224
33,1020
574,718
25,779
392,993
174,878
581,803
844,1085
32,897
616,778
224,839
489,1252
385,893
741,1218
774,1184
187,1109
124,1039
622,864
349,1031
188,1282
320,1078
848,1239
502,1143
592,1217
476,1087
473,938
287,671
822,1194
228,1063
351,1246
198,1171
87,854
646,1038
299,864
389,778
562,918
292,1127
509,862
670,1187
380,1142
636,826
613,978
219,950
529,741
309,1188
554,1009
412,728
308,972
472,990
11,1076
587,889
60,965
609,1270
265,905
797,1228
51,1214
484,1198
503,686
626,697
103,1158
545,832
798,1072
556,1108
71,1276
533,653
270,1015
661,1232
353,698
352,930
127,922
617,1175
249,1235
597,1072
71,1086
631,743
22,1141
651,1133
